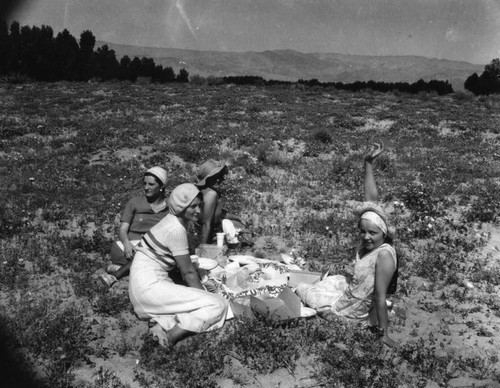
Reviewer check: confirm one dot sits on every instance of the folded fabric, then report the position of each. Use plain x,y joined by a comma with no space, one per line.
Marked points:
324,293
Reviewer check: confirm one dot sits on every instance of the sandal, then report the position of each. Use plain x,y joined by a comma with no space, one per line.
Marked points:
108,279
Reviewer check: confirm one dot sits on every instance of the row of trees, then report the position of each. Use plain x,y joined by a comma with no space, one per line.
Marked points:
35,52
486,83
440,87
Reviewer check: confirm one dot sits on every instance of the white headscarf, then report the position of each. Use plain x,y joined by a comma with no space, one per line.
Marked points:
375,219
181,197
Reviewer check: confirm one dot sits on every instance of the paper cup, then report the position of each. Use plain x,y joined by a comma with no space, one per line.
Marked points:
194,260
220,239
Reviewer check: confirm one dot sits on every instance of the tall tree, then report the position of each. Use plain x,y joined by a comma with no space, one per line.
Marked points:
107,67
183,76
488,82
67,52
4,47
86,57
14,59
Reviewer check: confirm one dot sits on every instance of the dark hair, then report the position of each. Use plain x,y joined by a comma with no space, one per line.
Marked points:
211,180
155,177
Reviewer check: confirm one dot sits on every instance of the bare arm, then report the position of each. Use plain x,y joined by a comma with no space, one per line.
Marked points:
384,269
371,193
189,273
128,248
207,215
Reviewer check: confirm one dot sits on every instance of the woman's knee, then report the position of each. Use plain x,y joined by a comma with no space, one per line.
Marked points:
219,304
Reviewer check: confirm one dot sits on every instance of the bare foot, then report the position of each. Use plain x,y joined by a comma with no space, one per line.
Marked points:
161,335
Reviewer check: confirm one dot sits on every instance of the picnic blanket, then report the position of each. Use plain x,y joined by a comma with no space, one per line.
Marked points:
247,275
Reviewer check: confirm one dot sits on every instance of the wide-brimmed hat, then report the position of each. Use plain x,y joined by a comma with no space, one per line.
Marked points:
181,197
158,172
210,169
380,211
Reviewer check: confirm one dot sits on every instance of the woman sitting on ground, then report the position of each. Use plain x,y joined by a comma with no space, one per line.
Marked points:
375,269
140,214
174,311
214,218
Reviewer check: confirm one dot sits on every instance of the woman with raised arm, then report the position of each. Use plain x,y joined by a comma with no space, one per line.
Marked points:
364,300
174,311
139,215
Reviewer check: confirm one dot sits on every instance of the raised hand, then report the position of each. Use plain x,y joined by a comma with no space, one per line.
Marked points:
375,150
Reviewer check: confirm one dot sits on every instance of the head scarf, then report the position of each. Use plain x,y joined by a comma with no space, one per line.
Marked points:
181,197
375,219
158,172
369,207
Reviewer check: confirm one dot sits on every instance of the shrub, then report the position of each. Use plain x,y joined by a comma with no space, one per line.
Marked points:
323,136
485,208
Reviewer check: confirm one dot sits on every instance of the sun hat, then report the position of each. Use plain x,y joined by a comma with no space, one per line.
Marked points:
158,172
181,197
210,169
366,207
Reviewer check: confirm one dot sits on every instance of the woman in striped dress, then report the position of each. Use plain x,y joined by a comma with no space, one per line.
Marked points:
175,311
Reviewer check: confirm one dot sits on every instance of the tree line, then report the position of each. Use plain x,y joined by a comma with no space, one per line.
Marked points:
440,87
488,82
36,53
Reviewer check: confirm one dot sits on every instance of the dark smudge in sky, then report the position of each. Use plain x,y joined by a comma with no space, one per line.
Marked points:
7,7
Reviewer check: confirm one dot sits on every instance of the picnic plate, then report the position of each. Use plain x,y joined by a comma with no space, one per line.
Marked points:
207,264
307,312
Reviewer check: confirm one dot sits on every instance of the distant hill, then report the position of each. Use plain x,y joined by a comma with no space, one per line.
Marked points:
292,65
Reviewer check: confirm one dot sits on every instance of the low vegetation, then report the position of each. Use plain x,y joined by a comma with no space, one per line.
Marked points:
71,155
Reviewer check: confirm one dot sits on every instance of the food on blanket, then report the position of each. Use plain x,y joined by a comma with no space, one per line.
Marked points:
251,268
239,281
286,259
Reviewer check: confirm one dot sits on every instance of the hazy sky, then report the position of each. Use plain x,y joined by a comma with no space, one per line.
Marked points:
466,30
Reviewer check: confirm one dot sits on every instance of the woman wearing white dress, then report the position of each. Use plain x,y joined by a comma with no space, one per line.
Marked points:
175,311
375,269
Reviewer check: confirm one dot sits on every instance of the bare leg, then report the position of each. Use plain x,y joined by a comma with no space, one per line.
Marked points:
123,271
175,334
170,337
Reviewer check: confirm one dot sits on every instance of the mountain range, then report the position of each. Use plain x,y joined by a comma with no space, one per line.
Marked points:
290,65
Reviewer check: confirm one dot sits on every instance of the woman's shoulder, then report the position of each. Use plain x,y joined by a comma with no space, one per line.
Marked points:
137,199
167,224
387,247
209,193
386,251
133,202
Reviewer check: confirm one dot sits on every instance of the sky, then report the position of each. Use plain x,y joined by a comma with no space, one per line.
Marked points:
464,30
